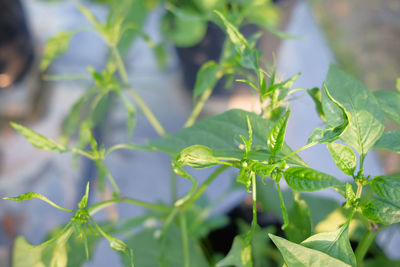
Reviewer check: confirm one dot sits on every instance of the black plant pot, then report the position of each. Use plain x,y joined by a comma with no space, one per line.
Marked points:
16,48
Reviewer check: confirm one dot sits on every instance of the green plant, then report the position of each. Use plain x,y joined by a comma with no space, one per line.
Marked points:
250,142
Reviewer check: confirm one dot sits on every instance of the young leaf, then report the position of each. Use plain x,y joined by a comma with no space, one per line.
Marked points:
298,255
388,188
197,156
335,244
276,136
300,225
316,95
308,180
343,157
90,17
83,203
389,102
55,47
261,169
38,140
389,140
32,195
206,79
381,212
239,254
330,133
248,56
365,115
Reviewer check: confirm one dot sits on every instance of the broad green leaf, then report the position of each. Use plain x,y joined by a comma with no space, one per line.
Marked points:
32,195
343,157
197,156
300,224
276,136
206,79
307,180
389,102
330,133
51,253
335,244
300,256
182,31
381,212
221,133
38,140
316,96
152,251
55,47
365,115
388,188
239,255
389,140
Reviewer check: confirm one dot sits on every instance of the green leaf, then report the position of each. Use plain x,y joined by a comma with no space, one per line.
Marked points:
55,47
389,102
32,195
248,56
90,17
389,140
38,140
182,31
207,77
316,96
51,253
381,212
221,133
300,256
83,203
300,225
343,157
335,244
276,136
308,180
239,254
197,156
388,188
152,251
365,115
330,133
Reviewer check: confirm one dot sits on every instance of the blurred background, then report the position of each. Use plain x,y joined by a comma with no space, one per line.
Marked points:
362,36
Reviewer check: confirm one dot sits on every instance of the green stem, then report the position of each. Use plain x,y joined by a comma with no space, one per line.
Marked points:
283,208
185,241
142,105
254,193
198,107
364,245
174,187
147,112
101,205
83,153
201,102
114,184
297,151
204,186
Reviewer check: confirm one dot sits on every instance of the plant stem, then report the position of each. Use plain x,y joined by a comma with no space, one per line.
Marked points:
204,186
283,208
101,205
185,242
142,105
297,151
174,187
198,107
254,193
200,103
364,245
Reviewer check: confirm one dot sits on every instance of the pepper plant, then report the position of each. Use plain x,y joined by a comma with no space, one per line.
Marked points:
174,234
